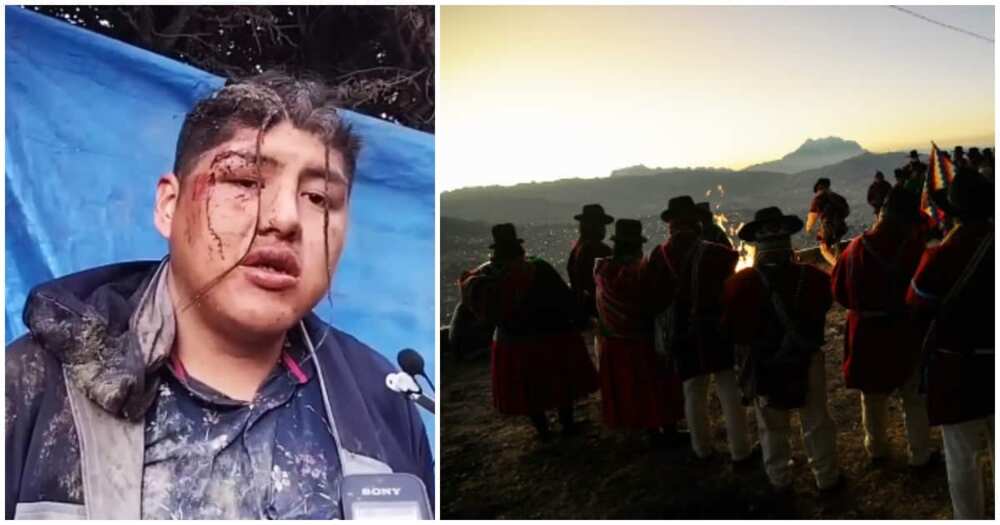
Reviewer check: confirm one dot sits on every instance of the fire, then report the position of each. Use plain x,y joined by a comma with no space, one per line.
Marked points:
746,251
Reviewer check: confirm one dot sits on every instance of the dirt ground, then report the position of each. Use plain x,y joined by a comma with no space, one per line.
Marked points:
495,467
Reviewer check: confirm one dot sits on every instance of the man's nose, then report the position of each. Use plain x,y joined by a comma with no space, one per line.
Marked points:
280,210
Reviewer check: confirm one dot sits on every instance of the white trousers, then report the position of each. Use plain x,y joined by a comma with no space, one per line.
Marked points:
819,434
874,415
963,443
735,415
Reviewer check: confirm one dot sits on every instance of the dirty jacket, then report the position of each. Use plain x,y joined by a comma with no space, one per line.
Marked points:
97,343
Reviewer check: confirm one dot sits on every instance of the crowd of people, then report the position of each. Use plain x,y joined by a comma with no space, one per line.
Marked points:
919,327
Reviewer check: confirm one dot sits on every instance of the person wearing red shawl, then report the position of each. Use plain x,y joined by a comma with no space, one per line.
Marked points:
588,248
539,361
952,295
881,343
775,313
686,277
637,388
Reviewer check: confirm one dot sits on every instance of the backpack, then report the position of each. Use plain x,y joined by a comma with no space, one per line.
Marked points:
834,214
777,372
667,333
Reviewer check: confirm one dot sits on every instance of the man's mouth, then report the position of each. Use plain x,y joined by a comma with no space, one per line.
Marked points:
272,268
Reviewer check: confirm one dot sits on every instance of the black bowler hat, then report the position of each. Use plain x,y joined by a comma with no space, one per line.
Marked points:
821,182
628,230
594,213
504,235
683,207
914,154
772,216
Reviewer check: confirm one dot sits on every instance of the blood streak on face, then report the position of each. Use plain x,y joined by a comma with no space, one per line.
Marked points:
266,219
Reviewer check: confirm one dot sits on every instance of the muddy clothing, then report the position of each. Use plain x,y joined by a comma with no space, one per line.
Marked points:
832,210
687,274
870,279
209,456
580,268
877,193
99,425
960,373
714,233
637,389
539,360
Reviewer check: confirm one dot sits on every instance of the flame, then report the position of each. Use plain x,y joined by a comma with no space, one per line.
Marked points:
746,251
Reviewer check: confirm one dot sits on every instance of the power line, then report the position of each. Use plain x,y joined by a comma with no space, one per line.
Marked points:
942,24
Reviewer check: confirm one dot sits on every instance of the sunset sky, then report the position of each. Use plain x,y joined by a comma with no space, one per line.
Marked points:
544,93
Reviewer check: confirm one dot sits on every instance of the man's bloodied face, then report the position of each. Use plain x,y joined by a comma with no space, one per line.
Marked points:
277,207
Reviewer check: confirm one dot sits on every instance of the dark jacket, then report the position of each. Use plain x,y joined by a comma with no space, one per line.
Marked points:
80,383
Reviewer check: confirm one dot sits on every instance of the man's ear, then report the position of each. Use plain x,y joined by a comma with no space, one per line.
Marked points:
168,192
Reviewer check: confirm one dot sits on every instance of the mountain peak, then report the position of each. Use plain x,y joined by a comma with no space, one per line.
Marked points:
813,153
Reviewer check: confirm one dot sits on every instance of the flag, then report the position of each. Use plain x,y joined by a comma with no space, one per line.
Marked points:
940,174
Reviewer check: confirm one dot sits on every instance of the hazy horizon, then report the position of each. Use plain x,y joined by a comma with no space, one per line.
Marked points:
534,94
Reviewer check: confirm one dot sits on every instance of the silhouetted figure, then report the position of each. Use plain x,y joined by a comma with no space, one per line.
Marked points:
916,173
959,158
881,343
952,294
637,388
580,266
975,158
878,191
539,360
776,312
900,175
829,210
686,276
710,231
988,165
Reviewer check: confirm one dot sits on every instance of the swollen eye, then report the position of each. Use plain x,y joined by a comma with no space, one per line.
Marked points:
316,198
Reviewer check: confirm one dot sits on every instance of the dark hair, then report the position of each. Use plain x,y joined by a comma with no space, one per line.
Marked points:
260,102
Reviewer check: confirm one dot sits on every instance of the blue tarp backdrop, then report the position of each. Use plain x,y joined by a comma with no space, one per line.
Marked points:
92,123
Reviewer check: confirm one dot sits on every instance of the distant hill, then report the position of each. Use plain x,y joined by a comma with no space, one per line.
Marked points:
812,154
646,195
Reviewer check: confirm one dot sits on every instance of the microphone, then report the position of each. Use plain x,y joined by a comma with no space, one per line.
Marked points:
412,363
405,383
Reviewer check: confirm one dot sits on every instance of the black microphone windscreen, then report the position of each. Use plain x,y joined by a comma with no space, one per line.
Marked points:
410,362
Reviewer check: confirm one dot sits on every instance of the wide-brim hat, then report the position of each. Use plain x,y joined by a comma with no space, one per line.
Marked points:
594,213
823,181
788,224
970,195
628,230
683,207
504,235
